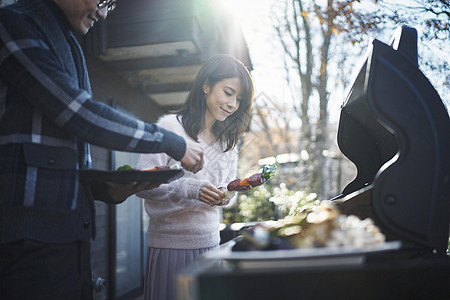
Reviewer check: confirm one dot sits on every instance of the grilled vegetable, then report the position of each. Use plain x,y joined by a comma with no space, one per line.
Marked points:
124,168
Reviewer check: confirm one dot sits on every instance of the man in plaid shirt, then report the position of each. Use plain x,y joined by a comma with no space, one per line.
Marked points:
47,117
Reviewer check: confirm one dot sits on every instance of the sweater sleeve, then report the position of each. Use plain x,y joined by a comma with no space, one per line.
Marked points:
31,69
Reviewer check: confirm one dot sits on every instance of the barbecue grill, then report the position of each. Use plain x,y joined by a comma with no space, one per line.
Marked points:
396,130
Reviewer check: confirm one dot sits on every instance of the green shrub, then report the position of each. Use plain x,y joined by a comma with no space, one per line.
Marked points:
266,203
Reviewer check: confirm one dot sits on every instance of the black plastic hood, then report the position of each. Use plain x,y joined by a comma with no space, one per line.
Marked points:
396,130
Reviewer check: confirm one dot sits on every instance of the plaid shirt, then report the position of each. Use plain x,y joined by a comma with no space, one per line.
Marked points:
46,116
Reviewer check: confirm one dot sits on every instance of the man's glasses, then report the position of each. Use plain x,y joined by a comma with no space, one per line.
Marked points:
109,4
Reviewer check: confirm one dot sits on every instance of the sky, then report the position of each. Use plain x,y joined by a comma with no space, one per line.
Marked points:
256,24
266,55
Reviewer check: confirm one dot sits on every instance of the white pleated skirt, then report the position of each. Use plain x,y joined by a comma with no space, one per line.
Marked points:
161,268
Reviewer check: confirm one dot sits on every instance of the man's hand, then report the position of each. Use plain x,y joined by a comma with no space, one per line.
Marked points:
193,158
120,192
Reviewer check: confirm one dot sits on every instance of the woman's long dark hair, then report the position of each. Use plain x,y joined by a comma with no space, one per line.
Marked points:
216,69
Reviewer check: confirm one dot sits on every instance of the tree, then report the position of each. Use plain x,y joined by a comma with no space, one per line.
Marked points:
434,15
432,19
307,31
270,133
323,42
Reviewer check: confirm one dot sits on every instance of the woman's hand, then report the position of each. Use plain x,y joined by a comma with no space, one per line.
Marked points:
120,192
212,196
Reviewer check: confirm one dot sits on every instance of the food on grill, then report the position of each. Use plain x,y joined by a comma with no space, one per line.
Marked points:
239,185
317,226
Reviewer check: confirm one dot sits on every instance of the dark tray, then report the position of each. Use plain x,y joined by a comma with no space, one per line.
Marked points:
127,176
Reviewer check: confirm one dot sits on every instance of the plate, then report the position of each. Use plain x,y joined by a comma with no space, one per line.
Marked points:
302,257
127,176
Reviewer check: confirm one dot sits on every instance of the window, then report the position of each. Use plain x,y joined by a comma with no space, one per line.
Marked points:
130,236
129,221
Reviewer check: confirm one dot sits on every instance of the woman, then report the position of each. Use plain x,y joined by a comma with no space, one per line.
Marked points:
184,214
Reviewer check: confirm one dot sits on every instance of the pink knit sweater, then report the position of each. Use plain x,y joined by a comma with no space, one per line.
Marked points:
178,220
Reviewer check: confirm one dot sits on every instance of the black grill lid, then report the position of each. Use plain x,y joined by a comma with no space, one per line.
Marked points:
396,129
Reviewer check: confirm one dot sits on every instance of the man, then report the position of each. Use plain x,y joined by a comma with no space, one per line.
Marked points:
47,117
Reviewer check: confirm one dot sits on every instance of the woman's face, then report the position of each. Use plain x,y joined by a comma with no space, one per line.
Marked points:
223,99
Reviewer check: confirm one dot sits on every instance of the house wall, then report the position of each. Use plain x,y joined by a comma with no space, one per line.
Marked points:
107,86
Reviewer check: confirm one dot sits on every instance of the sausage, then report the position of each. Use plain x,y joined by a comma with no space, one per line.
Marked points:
255,180
235,185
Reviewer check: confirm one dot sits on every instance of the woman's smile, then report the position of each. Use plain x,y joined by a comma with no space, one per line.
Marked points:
227,111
